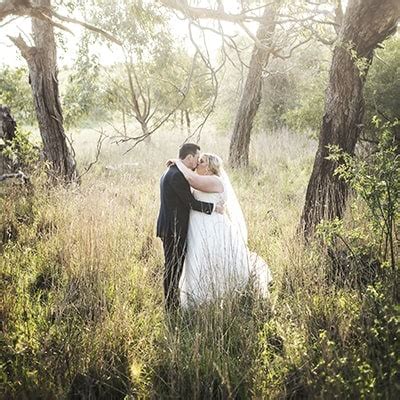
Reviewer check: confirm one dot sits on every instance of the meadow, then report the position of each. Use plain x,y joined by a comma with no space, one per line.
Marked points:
82,305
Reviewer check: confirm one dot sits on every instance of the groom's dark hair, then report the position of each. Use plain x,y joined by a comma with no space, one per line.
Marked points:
188,148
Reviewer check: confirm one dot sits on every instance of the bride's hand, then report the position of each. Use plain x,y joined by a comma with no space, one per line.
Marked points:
171,161
220,207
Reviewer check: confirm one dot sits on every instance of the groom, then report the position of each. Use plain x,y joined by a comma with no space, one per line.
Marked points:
173,220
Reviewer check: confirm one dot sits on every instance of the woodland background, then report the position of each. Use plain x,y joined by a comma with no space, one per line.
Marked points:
300,98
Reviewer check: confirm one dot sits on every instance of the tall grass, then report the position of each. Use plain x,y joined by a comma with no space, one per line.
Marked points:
82,307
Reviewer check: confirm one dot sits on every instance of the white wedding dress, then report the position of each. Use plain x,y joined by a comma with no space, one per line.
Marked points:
218,261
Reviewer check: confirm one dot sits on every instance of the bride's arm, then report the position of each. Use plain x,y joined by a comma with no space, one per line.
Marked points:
200,182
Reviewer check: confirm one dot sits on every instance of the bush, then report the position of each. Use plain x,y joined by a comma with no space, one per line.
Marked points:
377,182
16,93
21,151
382,87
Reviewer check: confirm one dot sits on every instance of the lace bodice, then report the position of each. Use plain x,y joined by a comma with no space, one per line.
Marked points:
209,197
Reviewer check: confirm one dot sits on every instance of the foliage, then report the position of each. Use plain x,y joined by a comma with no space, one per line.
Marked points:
168,82
308,112
81,97
149,85
21,151
177,73
377,182
309,77
68,334
349,343
383,84
332,341
293,89
140,25
82,307
209,356
15,92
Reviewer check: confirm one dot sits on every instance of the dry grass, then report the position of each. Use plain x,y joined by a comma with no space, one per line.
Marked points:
83,311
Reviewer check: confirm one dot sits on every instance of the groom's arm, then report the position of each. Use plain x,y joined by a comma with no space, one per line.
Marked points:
180,187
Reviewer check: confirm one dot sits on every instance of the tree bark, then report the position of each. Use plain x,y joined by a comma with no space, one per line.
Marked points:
365,24
124,122
187,117
145,130
7,124
42,66
181,120
251,97
7,134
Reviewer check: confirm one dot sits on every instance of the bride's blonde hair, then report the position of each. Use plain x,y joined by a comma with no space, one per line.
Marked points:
214,163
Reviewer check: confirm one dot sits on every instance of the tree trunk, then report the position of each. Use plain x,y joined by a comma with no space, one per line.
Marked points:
181,121
251,97
7,134
187,117
145,131
42,65
365,24
7,124
124,122
174,119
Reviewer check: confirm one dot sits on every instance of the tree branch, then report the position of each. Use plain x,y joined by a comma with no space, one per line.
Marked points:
13,7
19,175
208,13
157,124
88,26
26,51
25,8
99,145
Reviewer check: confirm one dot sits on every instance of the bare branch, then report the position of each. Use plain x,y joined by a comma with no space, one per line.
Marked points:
118,131
161,121
253,37
146,110
90,27
292,49
328,42
138,114
184,93
214,79
208,13
19,175
25,8
9,21
13,7
292,19
26,51
99,146
228,40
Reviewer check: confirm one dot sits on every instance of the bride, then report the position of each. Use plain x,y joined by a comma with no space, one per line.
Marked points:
218,261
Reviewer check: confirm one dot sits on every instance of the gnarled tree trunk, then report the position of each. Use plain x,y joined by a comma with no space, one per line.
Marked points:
251,97
42,65
7,134
365,24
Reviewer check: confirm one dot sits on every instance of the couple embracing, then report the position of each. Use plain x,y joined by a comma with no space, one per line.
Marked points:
204,233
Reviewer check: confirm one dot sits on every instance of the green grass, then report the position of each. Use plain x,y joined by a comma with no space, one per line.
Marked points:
82,305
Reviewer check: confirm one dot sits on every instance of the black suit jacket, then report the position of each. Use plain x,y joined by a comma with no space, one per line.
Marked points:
176,202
